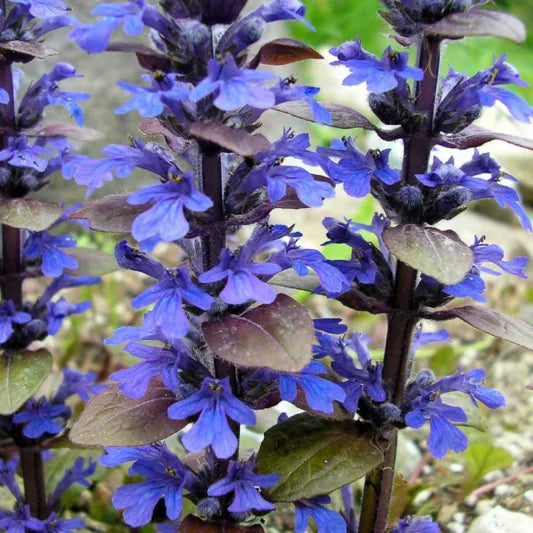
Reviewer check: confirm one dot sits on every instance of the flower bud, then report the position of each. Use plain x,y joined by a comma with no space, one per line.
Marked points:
453,199
242,34
195,37
388,413
425,378
209,508
411,197
217,12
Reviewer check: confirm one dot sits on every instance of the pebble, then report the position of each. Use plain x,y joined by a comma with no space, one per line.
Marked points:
484,507
471,500
459,518
528,495
454,527
500,520
457,468
503,490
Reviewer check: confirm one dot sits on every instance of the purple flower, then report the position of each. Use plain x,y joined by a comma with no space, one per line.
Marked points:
242,282
48,248
168,295
157,361
19,521
286,91
20,154
245,484
76,474
283,10
423,524
46,92
356,170
470,383
40,417
330,325
326,520
8,471
133,16
235,87
166,219
59,310
164,91
215,403
8,316
54,524
75,382
380,75
44,8
366,379
165,474
443,435
422,338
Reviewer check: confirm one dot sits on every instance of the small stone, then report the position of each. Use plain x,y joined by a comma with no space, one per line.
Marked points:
422,497
528,495
459,518
484,506
500,520
471,500
454,527
457,468
503,490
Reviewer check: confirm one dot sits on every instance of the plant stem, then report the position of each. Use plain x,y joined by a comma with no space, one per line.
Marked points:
403,319
11,287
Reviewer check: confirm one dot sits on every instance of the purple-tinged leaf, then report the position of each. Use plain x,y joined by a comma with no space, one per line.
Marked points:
111,214
64,129
277,336
193,524
21,374
490,321
474,136
439,254
92,262
29,214
342,117
315,456
154,126
238,141
290,280
148,59
283,52
24,51
479,23
113,419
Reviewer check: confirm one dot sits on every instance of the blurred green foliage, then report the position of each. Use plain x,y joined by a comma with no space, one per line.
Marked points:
337,21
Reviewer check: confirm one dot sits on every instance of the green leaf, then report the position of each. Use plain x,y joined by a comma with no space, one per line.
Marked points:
316,456
29,214
21,374
277,336
482,459
444,360
113,419
92,262
439,254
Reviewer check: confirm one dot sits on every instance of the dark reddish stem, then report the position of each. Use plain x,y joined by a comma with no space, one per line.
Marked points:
403,318
11,285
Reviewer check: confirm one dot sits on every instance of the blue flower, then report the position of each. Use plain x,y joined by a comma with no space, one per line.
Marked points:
215,402
443,435
76,474
46,92
20,154
75,382
19,521
283,10
8,316
242,282
166,476
164,90
286,91
44,8
366,379
235,87
422,524
168,295
380,75
326,520
65,281
157,361
40,417
356,170
4,96
133,16
8,471
48,248
330,325
59,310
470,383
245,484
54,524
166,219
422,338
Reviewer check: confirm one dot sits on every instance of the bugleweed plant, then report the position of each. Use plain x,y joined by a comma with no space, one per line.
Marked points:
218,343
33,414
